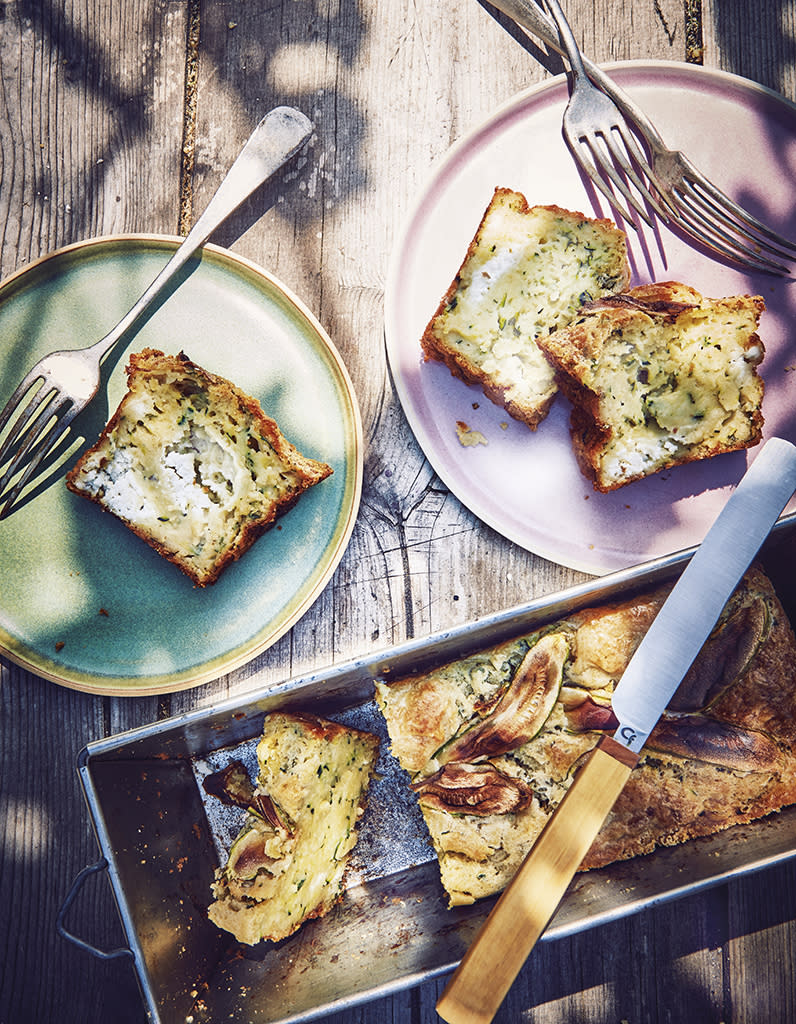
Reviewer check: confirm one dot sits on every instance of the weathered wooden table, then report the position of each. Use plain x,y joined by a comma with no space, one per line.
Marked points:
121,116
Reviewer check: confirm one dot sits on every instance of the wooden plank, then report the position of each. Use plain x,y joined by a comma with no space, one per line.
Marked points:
86,92
760,48
761,946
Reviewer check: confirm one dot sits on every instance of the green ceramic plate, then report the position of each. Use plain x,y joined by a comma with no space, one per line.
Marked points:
84,602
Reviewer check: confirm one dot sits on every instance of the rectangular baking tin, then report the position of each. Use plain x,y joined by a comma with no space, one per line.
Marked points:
162,836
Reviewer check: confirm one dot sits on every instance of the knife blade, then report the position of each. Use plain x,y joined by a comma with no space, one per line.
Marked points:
684,622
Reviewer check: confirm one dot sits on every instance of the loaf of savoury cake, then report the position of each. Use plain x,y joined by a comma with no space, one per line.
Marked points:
288,862
192,465
492,741
657,377
527,271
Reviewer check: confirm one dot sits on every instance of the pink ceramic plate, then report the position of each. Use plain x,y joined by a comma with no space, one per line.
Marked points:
527,485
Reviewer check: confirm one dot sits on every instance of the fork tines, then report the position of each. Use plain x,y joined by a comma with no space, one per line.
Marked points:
626,177
622,165
31,436
724,225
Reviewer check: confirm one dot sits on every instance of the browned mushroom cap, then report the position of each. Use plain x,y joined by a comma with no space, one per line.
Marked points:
473,789
698,737
252,852
590,715
231,785
724,657
522,709
707,739
264,807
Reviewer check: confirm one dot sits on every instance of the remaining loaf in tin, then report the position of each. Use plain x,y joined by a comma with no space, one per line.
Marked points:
288,862
192,465
491,742
657,377
527,271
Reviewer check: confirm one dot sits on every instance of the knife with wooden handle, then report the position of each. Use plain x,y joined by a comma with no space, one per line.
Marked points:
663,657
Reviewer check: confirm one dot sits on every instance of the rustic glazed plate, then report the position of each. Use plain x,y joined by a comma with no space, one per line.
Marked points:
84,602
527,485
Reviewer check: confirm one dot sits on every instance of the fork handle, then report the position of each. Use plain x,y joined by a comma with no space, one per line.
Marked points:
278,137
568,42
528,15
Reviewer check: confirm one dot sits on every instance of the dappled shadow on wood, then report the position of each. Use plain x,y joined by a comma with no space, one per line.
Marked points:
605,974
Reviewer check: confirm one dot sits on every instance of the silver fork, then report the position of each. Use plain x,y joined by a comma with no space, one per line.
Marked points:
598,135
660,179
62,383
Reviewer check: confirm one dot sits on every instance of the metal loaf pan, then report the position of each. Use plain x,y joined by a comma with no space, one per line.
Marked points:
161,837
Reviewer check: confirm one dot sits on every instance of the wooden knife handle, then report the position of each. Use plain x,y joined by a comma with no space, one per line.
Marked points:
519,917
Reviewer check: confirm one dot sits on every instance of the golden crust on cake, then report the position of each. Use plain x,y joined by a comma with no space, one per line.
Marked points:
488,774
192,465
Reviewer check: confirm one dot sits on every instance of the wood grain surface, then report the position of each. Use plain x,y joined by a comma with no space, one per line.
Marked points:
122,116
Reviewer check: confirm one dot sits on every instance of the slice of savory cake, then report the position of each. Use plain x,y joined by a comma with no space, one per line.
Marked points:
527,271
492,741
658,377
192,465
288,862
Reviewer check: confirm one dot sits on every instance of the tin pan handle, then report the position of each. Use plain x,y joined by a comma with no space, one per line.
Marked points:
77,885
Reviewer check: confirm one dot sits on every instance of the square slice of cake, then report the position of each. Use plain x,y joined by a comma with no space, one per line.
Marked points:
192,465
658,377
527,271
